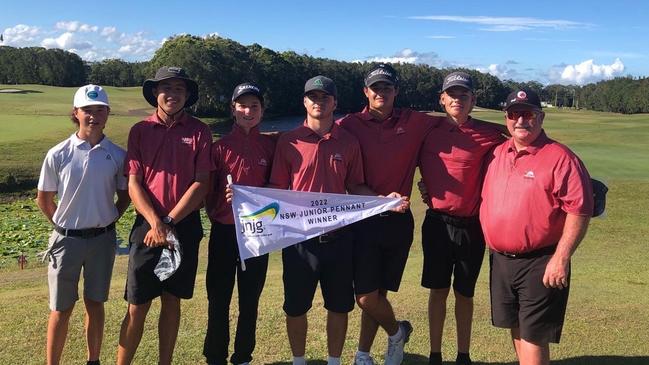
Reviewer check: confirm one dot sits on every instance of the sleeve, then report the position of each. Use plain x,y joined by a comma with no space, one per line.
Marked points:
121,179
49,178
215,157
133,161
216,188
280,175
355,175
573,187
203,153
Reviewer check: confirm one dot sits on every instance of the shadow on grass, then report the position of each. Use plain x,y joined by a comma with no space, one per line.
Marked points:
584,360
414,359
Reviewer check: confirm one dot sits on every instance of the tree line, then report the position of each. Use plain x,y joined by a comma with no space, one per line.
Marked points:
218,64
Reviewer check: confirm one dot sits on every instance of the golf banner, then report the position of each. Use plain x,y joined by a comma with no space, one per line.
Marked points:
270,219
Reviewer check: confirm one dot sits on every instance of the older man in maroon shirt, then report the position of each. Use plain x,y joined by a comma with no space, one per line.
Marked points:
537,200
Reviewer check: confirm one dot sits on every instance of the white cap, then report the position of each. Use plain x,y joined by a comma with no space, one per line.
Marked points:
90,95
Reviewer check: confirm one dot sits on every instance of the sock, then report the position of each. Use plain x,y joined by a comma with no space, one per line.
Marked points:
360,353
333,360
397,336
299,360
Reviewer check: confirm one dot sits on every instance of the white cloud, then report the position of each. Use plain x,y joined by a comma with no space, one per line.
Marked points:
587,72
66,41
441,37
407,55
91,42
137,45
108,31
76,26
506,24
20,35
501,71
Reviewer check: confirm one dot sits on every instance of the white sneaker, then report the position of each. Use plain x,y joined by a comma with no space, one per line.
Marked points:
363,360
394,353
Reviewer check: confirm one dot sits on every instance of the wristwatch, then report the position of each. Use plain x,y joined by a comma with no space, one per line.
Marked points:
168,220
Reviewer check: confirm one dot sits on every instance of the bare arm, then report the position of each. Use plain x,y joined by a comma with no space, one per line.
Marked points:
193,197
157,235
362,189
574,230
45,202
122,203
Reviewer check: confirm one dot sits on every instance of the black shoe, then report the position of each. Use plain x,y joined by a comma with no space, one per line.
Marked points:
463,359
435,358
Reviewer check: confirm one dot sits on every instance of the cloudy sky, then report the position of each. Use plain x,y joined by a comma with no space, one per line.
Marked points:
569,42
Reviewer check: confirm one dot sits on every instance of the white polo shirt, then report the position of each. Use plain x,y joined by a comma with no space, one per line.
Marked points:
85,179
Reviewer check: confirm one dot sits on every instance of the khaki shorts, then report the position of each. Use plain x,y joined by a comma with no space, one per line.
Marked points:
68,256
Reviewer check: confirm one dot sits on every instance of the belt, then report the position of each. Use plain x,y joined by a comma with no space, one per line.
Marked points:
460,222
85,233
389,213
330,236
529,254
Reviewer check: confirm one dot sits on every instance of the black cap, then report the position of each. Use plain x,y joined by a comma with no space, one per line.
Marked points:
321,83
458,78
382,72
247,88
165,73
599,197
523,97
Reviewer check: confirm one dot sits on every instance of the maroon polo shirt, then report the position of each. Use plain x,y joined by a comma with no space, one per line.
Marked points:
451,164
248,158
390,147
168,158
305,161
527,195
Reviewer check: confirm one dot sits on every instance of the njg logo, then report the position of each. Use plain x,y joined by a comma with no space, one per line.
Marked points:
254,223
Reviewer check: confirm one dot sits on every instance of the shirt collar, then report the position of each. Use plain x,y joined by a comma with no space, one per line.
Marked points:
366,115
238,131
534,147
305,131
79,142
184,117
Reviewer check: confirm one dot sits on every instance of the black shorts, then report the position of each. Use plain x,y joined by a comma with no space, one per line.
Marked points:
519,299
327,260
453,246
142,285
381,248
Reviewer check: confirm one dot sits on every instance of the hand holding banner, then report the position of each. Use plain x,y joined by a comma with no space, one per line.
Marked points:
271,219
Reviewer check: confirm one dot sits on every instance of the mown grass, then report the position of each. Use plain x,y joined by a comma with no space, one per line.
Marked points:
608,314
34,121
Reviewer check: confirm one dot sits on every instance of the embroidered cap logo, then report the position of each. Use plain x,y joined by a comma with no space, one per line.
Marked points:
521,95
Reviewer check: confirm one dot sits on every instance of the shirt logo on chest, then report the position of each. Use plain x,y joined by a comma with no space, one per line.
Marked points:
263,162
400,130
529,175
337,157
187,140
